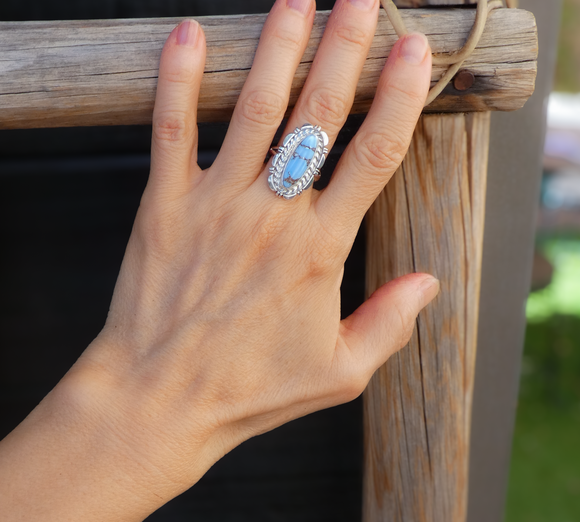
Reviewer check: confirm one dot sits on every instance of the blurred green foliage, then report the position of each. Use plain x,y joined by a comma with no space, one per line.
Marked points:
545,468
544,477
551,364
568,65
562,296
544,483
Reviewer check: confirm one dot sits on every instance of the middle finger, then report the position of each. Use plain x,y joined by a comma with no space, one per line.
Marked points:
264,97
329,91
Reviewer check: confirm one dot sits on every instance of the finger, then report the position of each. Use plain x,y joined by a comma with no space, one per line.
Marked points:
381,143
174,143
385,322
328,93
264,97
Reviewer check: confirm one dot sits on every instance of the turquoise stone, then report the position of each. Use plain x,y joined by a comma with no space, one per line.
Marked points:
298,163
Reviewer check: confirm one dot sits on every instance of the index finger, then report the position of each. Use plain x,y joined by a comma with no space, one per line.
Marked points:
381,143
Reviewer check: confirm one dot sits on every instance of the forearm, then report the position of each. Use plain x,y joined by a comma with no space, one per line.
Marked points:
72,459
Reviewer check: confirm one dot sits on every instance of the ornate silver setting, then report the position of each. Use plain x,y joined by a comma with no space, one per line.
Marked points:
288,151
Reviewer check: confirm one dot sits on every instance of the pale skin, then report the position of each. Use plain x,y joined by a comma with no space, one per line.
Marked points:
225,320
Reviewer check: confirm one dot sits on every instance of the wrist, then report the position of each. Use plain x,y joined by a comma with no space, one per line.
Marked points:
83,455
134,431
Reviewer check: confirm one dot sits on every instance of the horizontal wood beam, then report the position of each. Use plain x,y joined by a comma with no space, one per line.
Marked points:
104,72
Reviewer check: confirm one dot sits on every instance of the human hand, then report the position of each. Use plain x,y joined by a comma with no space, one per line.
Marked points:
225,321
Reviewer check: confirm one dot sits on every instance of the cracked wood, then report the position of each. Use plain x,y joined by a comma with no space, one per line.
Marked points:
104,72
430,218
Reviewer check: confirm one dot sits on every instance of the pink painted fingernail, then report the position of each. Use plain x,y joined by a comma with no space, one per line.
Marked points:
414,48
302,6
187,33
365,5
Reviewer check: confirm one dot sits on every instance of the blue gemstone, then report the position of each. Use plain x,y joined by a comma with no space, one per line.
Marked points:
299,161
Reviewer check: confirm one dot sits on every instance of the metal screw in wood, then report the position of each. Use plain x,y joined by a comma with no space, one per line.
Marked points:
456,59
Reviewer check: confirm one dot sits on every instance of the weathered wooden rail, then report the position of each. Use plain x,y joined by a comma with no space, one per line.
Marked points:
105,72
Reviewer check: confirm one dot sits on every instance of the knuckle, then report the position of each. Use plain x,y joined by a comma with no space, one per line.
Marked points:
327,108
267,230
379,152
351,36
407,98
328,253
405,326
321,261
173,127
263,108
288,39
178,69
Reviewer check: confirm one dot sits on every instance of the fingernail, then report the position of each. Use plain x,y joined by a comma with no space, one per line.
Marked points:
187,33
302,6
414,48
365,5
430,288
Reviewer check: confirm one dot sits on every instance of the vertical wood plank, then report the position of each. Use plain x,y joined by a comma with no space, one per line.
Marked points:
418,406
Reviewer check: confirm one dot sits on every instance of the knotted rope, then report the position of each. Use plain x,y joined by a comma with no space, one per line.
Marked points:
455,59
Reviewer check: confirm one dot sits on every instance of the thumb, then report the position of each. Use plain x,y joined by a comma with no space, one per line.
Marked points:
385,322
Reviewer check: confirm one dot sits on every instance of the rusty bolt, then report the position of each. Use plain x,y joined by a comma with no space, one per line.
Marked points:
463,80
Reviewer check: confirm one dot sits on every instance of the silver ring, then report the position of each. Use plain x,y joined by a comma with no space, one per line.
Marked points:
296,164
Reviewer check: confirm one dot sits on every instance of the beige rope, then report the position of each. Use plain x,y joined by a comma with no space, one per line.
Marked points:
455,59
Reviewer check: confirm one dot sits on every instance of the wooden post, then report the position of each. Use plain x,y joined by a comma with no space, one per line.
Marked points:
418,406
417,415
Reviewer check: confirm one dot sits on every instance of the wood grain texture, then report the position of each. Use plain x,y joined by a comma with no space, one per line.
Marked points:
430,218
105,72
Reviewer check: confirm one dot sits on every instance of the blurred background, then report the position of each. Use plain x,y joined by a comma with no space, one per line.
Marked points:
67,201
545,468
